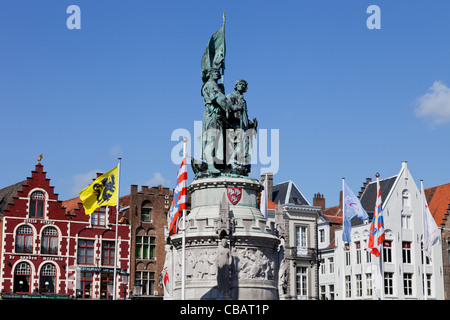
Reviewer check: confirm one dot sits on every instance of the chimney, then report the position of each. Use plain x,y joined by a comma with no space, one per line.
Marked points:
269,177
319,200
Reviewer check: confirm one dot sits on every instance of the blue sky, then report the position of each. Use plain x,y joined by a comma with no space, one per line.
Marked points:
347,101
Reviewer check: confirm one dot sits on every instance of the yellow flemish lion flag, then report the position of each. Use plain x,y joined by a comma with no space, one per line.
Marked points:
102,192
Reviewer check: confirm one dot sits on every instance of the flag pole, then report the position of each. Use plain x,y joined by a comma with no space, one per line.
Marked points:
183,241
377,175
117,223
344,289
424,257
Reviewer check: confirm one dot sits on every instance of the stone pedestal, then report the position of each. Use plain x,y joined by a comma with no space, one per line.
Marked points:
230,253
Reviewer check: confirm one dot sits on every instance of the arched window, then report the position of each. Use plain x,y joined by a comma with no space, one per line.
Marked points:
406,200
37,201
22,276
24,239
47,279
49,242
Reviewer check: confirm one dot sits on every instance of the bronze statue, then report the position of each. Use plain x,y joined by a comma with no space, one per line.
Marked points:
240,131
214,121
226,130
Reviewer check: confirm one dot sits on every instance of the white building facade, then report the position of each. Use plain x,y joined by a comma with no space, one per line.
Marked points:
401,272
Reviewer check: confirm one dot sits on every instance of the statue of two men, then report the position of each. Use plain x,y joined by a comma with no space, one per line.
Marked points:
226,130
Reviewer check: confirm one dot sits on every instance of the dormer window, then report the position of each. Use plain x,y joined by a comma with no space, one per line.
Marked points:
37,201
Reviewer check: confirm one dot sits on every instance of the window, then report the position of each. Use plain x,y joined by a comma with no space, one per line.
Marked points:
347,255
388,283
331,290
448,250
406,200
407,284
387,251
24,239
98,217
108,253
368,254
49,242
47,279
322,268
302,283
369,284
85,252
37,201
300,240
84,285
147,280
358,279
323,293
322,235
348,287
331,265
145,247
406,222
358,252
406,252
428,283
22,276
145,214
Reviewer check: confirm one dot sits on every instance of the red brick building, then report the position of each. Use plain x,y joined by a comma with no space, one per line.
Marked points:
147,210
52,248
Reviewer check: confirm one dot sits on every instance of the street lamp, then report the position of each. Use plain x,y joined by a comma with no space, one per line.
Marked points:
125,276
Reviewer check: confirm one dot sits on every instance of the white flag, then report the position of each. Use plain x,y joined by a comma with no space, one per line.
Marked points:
430,229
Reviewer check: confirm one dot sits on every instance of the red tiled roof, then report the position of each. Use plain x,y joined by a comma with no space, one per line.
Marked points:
71,204
438,199
333,214
271,205
125,200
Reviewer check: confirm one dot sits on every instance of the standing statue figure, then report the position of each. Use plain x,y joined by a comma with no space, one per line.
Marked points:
240,131
223,270
216,104
214,122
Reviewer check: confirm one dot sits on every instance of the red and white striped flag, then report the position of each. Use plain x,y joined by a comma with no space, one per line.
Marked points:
180,195
376,233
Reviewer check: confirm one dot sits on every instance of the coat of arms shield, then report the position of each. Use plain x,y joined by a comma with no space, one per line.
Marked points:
234,194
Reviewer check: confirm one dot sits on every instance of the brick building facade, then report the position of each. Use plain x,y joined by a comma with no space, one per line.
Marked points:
147,211
52,248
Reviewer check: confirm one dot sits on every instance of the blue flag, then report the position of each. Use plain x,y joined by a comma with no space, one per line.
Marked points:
352,208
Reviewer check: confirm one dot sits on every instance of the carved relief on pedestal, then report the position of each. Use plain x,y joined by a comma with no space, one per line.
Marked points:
252,263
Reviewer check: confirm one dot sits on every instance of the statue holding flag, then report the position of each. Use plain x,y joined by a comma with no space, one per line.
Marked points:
226,141
205,256
216,104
